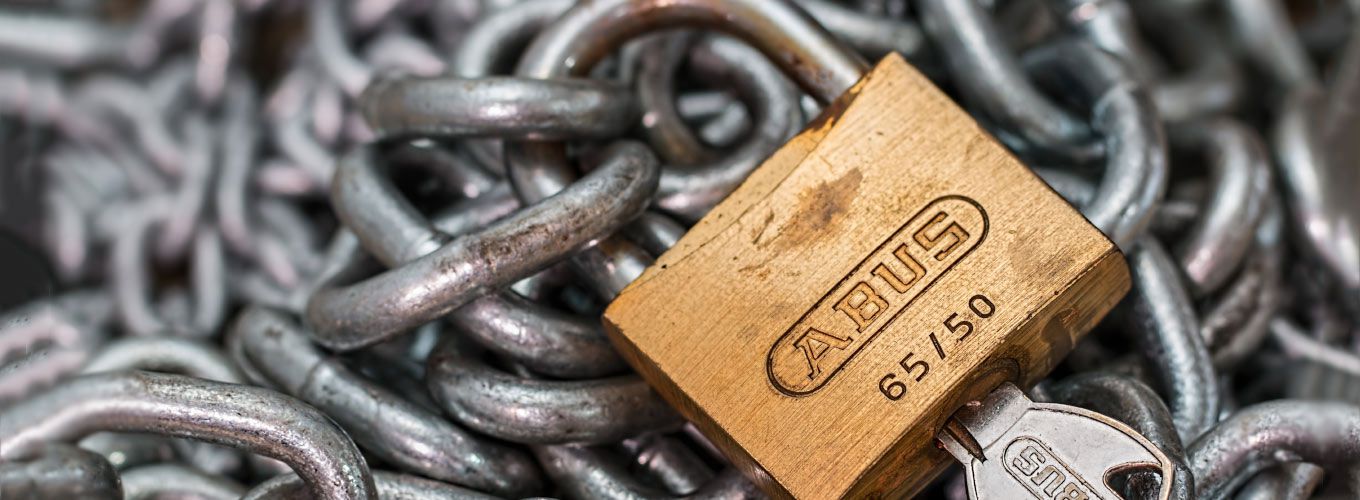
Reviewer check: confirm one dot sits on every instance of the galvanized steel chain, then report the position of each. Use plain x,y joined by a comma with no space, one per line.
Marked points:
359,248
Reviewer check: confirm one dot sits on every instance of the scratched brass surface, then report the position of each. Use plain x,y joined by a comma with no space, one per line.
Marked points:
782,323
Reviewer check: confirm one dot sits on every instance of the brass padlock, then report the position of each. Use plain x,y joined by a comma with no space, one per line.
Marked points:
889,264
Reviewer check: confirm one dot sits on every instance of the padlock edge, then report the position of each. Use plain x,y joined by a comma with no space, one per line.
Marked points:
1111,265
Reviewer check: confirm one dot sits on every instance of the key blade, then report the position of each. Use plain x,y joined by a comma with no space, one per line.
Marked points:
990,418
960,438
978,424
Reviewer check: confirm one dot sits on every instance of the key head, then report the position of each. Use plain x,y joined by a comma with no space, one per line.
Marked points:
887,265
1047,451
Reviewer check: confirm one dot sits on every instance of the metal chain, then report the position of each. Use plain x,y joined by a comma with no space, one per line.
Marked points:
358,248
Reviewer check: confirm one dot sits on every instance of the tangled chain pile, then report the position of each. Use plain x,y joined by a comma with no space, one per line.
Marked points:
358,249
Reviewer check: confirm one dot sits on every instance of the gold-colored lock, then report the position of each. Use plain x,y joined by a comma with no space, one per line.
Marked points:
889,264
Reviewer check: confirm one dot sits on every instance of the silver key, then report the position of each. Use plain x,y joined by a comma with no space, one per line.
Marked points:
1012,447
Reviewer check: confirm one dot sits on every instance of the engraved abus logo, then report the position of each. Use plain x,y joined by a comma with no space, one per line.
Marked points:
875,293
1041,472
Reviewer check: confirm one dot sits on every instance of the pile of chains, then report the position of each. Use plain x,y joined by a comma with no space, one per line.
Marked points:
359,249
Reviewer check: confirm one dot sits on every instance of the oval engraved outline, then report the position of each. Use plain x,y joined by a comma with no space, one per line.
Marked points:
1072,474
769,359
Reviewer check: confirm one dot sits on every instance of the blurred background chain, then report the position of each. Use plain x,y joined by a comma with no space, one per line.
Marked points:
359,248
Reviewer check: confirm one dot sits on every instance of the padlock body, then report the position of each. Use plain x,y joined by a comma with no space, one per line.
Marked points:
889,264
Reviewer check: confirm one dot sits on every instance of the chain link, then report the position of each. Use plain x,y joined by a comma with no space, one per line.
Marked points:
359,248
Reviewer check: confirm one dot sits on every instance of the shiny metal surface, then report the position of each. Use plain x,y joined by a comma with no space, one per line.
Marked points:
408,214
255,419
